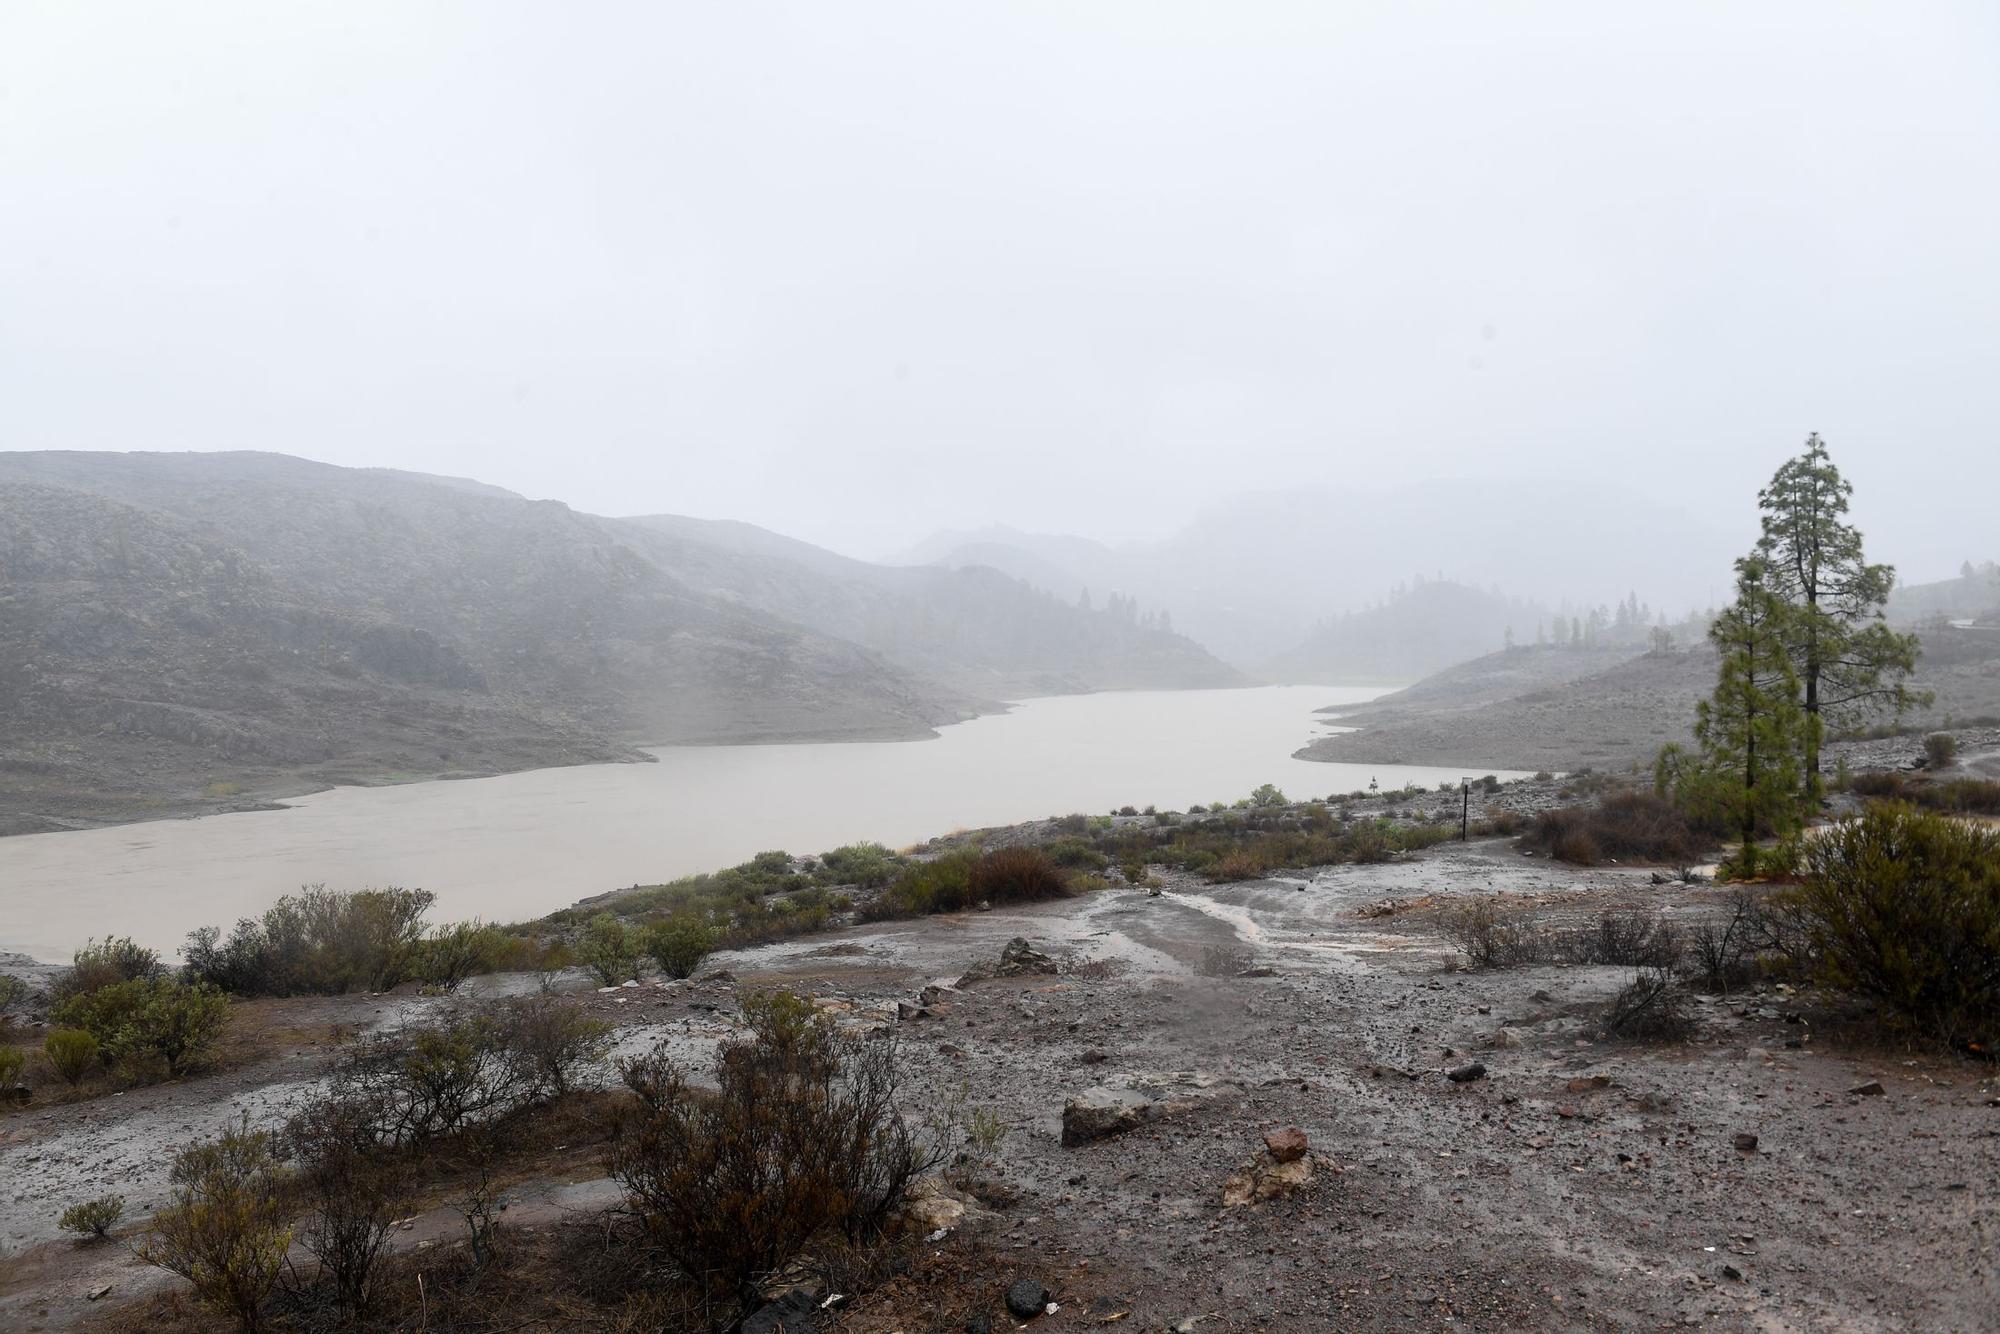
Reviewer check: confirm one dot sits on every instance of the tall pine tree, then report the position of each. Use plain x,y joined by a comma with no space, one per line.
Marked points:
1751,729
1850,664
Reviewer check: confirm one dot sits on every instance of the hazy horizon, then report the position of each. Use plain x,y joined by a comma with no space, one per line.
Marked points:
860,274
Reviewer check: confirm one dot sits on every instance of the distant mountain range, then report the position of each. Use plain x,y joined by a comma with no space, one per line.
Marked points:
184,631
1252,578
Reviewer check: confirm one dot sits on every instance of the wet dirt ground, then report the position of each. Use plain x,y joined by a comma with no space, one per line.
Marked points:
1516,1200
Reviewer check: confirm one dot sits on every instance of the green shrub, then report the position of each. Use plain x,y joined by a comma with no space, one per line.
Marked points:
1075,854
943,884
865,864
178,1022
97,965
93,1219
1904,907
224,1230
679,944
11,1061
1267,795
316,942
71,1053
451,955
607,949
1940,749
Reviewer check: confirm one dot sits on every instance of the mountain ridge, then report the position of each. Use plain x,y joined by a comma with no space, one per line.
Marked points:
189,632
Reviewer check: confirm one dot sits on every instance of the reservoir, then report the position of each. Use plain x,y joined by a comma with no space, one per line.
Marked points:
521,845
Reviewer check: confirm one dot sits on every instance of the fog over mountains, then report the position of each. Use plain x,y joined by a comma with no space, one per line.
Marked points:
176,624
1255,573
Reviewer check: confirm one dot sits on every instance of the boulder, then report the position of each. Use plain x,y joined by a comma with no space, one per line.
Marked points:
1020,957
1265,1178
1287,1145
1144,1098
1026,1298
1098,1112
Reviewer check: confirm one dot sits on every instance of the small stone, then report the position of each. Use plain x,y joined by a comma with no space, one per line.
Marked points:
1732,1273
1026,1298
1287,1145
102,1289
1872,1089
794,1313
1465,1074
1746,1143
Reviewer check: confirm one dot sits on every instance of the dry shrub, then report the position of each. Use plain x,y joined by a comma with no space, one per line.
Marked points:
465,1067
1489,939
1017,875
1634,939
352,1191
1652,1008
1624,826
803,1139
1729,951
1957,796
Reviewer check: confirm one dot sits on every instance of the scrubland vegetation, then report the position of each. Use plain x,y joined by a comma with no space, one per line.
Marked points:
1899,907
802,1157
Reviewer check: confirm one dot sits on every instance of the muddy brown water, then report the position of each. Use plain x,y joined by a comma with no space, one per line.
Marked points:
520,845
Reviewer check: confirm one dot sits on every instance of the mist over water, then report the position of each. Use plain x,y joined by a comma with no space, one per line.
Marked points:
524,844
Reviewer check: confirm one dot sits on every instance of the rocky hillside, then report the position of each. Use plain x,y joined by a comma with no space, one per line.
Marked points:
192,630
1547,708
973,627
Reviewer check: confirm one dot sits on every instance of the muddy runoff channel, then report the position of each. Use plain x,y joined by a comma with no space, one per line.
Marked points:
1579,1183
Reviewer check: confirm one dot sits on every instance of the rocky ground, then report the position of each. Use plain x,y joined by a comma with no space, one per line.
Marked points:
1574,1183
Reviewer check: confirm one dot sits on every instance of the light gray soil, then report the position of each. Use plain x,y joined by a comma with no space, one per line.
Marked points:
1511,1201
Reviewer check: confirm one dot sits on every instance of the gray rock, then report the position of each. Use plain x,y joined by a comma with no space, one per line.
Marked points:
1101,1111
797,1312
1020,957
1098,1112
1465,1074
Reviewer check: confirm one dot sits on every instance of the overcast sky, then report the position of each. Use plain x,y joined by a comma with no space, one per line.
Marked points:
858,271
